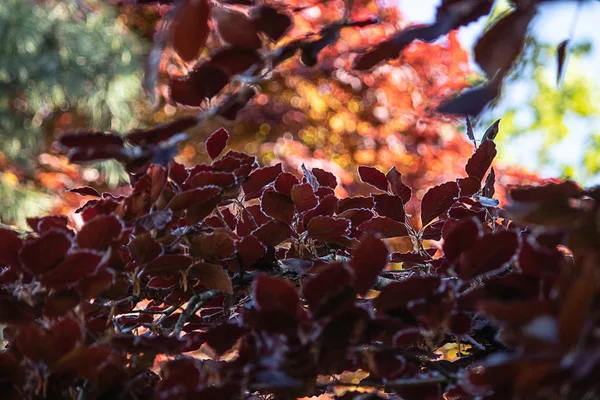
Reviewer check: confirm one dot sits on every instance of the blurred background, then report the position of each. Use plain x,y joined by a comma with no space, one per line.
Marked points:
76,64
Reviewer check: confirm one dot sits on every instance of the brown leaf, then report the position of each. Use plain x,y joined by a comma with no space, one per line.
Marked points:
212,276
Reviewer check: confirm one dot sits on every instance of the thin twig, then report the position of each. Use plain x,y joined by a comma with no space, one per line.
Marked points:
194,304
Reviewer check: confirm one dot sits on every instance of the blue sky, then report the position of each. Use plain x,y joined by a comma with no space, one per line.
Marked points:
553,24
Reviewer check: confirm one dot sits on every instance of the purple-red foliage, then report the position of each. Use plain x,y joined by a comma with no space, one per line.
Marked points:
295,285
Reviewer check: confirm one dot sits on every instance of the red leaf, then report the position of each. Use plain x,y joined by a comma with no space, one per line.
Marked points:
368,260
169,264
398,188
206,81
85,191
275,294
249,251
160,133
399,294
386,227
546,193
216,246
433,231
259,179
236,28
277,206
285,182
481,160
74,267
43,224
326,207
89,140
99,233
271,22
459,236
472,101
190,28
373,177
303,197
389,206
42,253
500,45
330,287
327,228
155,220
234,60
221,179
437,200
488,253
325,178
273,233
187,199
212,276
216,142
468,186
9,247
59,303
355,202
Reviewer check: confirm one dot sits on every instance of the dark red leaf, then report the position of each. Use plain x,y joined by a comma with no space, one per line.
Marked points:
384,226
49,344
275,294
497,49
386,364
368,260
356,216
9,249
212,276
326,207
190,28
329,287
222,337
488,189
398,188
216,246
221,179
472,101
303,197
326,229
273,233
373,177
468,186
462,12
408,337
399,294
160,133
234,60
155,220
459,236
325,178
168,265
460,323
236,28
259,179
85,191
561,55
481,160
206,81
437,200
59,303
546,193
73,268
99,233
161,282
216,142
249,251
389,206
433,231
90,140
187,199
271,22
42,253
488,253
277,206
285,182
355,202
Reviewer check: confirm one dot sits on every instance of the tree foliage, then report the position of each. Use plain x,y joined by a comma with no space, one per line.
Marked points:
230,279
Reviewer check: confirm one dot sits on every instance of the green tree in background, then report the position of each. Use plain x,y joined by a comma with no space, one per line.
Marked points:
555,118
63,64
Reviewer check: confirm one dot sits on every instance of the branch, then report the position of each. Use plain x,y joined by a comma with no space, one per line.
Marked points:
194,304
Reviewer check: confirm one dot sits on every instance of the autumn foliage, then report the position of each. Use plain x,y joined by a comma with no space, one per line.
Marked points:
234,280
